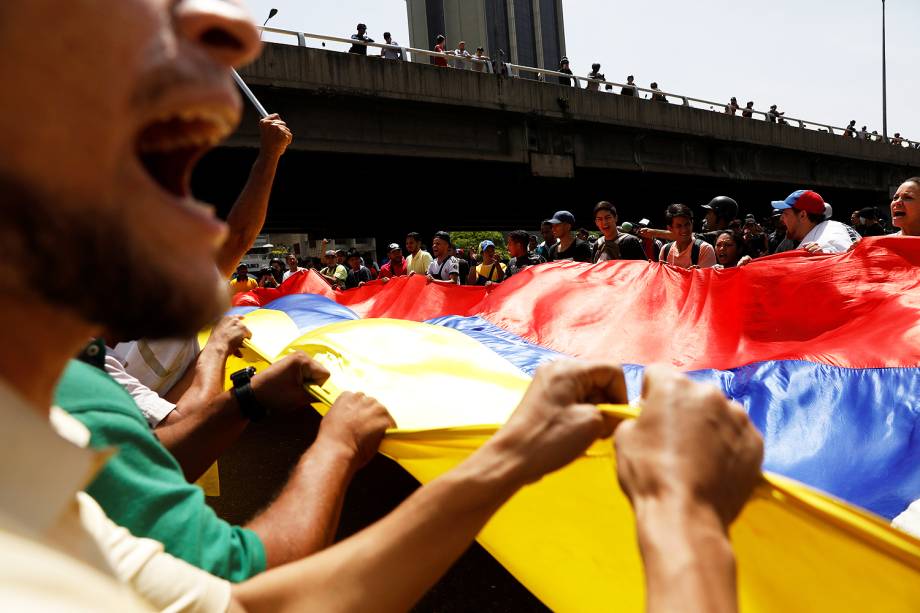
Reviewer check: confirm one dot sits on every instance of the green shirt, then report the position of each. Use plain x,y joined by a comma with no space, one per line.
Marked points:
143,488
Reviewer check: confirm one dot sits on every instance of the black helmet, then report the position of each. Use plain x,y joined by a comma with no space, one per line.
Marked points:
723,206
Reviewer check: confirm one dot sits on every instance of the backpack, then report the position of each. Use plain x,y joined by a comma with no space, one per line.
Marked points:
694,251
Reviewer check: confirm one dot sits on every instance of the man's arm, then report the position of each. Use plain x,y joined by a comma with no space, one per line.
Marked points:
666,235
248,213
390,565
206,421
688,465
454,279
305,516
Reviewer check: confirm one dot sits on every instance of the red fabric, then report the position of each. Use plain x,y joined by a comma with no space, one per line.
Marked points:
857,310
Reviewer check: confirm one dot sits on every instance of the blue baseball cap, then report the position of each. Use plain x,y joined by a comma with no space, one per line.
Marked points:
563,217
802,200
485,245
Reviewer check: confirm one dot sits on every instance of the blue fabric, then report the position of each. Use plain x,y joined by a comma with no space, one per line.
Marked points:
852,433
311,311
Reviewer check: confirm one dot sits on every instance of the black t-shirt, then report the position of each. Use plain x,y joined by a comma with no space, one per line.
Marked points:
710,237
625,247
464,265
518,264
353,278
872,230
359,49
578,251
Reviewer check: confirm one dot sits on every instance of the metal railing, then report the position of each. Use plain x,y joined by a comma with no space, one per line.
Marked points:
542,74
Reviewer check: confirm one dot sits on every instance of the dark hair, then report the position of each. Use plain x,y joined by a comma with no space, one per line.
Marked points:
595,66
520,237
439,38
678,210
816,218
415,235
352,253
738,237
603,205
386,34
444,236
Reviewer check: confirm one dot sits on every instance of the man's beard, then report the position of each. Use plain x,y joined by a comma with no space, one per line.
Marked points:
100,273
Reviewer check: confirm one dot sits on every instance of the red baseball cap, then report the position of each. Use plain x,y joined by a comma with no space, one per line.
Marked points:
802,200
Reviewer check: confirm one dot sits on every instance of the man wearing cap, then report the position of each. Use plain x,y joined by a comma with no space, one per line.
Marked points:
419,259
804,214
614,245
444,268
568,247
490,270
357,273
241,281
396,266
361,37
564,68
335,273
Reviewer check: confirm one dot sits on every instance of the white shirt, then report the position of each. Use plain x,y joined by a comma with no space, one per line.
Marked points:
460,64
58,549
832,236
442,270
157,364
154,408
288,273
390,54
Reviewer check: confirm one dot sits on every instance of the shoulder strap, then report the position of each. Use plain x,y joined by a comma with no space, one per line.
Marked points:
667,251
695,252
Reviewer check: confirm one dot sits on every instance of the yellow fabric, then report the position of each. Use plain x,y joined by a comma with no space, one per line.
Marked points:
209,482
570,537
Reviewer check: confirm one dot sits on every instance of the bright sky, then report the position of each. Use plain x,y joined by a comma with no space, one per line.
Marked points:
816,59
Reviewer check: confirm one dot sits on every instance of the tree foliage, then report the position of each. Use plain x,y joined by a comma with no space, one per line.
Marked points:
471,240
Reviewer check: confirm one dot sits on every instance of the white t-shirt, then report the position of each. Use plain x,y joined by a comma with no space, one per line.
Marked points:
288,273
157,364
682,259
154,408
443,270
460,64
832,236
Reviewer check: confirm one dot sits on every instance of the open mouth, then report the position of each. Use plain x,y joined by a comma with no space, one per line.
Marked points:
899,213
170,146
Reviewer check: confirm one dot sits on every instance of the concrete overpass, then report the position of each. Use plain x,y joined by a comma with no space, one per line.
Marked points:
381,146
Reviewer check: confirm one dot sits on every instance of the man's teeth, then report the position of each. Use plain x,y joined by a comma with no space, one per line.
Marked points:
180,141
186,128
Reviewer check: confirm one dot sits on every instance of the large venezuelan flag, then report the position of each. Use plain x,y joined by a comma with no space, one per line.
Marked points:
823,352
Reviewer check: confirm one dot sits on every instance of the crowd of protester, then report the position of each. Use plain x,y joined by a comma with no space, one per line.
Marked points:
802,220
99,454
479,60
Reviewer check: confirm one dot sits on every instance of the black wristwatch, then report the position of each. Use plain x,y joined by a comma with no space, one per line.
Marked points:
245,397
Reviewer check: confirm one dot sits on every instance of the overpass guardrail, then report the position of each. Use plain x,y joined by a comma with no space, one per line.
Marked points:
490,65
